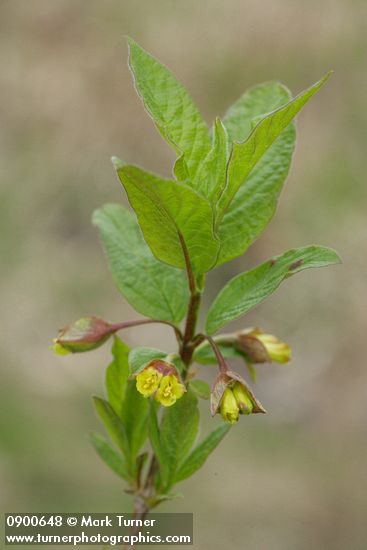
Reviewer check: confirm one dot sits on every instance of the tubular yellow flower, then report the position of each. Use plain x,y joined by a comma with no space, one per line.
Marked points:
169,390
278,351
243,400
147,381
229,408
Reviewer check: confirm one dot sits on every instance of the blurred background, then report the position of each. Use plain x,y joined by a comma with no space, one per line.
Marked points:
295,478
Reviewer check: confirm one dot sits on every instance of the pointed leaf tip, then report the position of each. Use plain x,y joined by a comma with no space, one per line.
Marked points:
248,289
246,154
128,39
117,162
170,106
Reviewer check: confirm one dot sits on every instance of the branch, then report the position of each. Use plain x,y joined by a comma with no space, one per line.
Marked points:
223,367
139,322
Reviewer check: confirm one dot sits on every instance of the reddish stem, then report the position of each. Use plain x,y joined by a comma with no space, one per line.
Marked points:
223,367
138,322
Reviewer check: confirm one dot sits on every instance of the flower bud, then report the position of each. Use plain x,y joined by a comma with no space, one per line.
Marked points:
86,334
229,408
162,379
278,351
262,348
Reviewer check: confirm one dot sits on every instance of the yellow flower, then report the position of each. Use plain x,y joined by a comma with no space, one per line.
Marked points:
229,408
278,351
242,398
169,390
147,381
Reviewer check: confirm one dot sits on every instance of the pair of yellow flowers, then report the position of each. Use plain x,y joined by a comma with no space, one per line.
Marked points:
166,387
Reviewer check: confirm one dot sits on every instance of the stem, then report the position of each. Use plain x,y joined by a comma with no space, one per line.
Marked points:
138,322
188,346
144,495
223,367
141,510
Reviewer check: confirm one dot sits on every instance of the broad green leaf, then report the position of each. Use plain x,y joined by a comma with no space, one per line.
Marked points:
257,101
246,154
110,456
139,357
117,374
170,106
205,355
155,440
127,403
113,425
255,202
134,416
178,432
154,289
199,455
200,388
211,176
177,222
248,289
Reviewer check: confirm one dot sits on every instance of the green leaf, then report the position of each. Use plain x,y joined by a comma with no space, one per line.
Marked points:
211,176
246,154
199,455
255,202
252,371
134,416
111,457
248,289
117,374
177,222
169,496
205,355
257,101
178,432
140,356
200,388
126,414
170,106
155,440
180,169
113,425
141,461
154,289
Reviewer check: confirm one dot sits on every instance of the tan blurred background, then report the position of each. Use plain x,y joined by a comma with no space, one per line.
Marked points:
295,478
